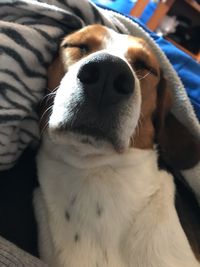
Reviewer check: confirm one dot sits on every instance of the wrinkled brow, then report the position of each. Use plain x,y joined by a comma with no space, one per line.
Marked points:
93,36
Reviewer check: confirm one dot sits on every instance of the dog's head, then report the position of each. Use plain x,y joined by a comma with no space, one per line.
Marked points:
110,95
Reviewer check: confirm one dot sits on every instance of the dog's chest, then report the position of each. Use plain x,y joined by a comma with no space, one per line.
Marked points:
89,219
90,212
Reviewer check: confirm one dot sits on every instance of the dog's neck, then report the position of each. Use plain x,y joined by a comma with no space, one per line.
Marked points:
81,156
132,177
112,212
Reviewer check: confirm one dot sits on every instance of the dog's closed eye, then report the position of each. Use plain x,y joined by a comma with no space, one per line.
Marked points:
140,64
84,48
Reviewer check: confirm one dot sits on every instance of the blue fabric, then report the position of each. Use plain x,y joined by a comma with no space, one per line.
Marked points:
122,6
125,6
148,12
187,68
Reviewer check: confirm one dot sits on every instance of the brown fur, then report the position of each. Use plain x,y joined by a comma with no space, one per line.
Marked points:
179,148
55,75
91,37
139,51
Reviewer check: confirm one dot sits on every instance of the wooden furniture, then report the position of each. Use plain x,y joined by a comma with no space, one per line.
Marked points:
162,9
138,8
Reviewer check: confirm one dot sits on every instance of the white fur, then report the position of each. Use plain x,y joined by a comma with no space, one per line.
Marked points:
137,226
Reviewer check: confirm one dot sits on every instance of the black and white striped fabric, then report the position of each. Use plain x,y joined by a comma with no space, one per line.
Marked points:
29,34
30,31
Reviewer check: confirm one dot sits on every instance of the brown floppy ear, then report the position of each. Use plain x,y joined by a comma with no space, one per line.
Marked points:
178,146
55,74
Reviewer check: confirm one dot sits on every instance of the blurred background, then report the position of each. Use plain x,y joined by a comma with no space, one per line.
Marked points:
176,20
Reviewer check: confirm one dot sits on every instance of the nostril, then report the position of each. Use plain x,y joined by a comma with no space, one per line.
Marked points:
89,74
123,84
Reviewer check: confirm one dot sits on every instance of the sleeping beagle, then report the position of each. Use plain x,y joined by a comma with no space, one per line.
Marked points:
103,199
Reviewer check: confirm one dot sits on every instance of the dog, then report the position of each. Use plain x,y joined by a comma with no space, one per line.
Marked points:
104,200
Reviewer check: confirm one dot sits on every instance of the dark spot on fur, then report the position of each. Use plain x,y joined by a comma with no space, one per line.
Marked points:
97,265
99,210
76,237
106,256
67,216
73,200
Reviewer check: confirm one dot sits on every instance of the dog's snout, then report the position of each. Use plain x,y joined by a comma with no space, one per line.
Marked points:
106,79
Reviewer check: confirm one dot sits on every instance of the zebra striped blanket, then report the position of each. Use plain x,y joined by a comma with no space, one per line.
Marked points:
29,34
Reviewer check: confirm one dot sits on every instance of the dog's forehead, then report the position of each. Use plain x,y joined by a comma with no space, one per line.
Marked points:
103,37
94,35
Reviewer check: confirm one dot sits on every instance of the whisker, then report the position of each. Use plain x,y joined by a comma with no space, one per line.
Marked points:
47,122
44,128
136,71
45,112
48,96
147,74
48,110
137,129
52,93
53,89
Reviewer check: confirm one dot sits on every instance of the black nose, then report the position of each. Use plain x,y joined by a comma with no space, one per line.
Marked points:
106,79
